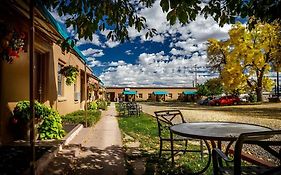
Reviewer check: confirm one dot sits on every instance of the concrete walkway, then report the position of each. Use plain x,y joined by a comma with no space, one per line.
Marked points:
98,150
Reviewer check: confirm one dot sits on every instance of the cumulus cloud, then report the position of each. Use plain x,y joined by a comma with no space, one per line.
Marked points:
93,62
157,69
129,52
95,41
93,52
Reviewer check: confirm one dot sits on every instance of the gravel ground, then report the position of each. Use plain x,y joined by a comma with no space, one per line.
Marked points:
268,114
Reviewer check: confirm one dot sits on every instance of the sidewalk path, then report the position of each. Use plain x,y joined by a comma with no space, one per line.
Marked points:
101,152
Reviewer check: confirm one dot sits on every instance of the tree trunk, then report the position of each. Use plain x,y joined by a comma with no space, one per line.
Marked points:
259,88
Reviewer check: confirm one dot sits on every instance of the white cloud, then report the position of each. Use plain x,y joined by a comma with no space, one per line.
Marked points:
93,62
129,52
156,69
118,63
93,52
111,44
95,41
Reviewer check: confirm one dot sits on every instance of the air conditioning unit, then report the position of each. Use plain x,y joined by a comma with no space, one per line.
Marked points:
76,96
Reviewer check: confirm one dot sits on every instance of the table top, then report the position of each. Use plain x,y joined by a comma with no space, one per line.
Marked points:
222,131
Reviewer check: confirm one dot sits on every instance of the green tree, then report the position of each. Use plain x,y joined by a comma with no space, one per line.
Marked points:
90,16
202,90
214,86
246,57
210,87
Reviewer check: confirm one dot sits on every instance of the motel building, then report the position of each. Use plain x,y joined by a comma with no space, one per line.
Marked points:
159,94
50,86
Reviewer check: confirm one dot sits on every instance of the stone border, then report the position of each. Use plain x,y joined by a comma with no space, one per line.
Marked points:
42,162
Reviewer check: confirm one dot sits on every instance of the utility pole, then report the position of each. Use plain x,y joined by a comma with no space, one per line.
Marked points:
195,78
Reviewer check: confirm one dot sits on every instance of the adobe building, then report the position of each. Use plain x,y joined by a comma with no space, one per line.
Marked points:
50,85
151,93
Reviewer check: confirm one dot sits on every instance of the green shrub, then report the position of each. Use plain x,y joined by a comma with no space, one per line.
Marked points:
92,105
78,117
108,102
48,120
252,97
102,104
51,128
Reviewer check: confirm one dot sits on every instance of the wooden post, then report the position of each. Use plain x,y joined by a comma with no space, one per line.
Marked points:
86,95
31,86
278,82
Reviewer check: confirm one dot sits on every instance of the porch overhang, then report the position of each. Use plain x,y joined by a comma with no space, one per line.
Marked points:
189,92
160,92
129,92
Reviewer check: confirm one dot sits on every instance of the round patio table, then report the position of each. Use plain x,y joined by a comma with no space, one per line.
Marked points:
215,132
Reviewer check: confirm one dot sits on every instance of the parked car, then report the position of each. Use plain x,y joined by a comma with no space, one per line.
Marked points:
225,100
206,101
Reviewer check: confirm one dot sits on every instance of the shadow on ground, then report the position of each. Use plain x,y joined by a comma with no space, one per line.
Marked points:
88,160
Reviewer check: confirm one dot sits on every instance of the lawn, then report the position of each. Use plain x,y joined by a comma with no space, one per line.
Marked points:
143,130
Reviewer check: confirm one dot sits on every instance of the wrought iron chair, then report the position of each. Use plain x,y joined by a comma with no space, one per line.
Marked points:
165,119
234,166
133,108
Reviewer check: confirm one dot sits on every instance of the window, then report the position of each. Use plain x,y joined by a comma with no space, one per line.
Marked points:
170,95
149,96
140,95
60,81
179,94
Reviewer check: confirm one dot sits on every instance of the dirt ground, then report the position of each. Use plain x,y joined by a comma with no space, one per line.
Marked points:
267,114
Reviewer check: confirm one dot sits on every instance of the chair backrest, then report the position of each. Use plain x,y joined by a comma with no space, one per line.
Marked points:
167,118
269,141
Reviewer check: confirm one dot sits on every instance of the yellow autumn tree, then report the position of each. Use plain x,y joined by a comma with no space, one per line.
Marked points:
246,57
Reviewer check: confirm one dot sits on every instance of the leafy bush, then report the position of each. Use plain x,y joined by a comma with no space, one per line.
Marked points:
92,105
252,97
108,102
78,117
102,104
50,128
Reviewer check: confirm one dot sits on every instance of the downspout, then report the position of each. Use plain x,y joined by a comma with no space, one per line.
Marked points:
85,94
31,86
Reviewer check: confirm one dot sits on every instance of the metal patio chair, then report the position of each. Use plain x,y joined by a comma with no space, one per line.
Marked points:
234,165
168,118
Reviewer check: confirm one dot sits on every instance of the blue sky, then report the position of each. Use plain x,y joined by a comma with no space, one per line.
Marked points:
167,59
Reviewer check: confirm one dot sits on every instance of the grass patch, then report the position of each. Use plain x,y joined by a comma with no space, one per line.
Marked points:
144,129
78,117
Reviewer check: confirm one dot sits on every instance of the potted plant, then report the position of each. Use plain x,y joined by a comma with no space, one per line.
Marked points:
70,73
21,119
48,123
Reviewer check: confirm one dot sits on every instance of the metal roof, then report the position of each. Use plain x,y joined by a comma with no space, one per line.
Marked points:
189,92
160,92
129,92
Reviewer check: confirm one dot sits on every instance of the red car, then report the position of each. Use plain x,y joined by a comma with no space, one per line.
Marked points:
225,100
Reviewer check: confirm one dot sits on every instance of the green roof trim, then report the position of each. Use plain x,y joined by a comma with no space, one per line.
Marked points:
129,92
59,29
160,93
189,92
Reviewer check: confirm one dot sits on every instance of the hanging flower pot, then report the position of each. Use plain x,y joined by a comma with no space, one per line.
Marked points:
11,43
70,73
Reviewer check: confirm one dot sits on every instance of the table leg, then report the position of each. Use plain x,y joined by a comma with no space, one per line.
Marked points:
172,147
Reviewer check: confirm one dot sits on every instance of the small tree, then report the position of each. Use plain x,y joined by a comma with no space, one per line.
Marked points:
246,57
210,87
